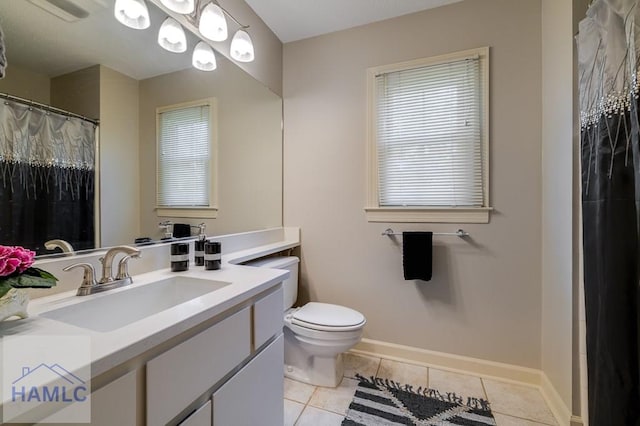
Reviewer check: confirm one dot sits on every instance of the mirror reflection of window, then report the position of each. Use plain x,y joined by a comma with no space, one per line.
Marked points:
186,150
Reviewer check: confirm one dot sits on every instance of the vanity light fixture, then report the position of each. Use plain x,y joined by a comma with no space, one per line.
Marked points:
242,47
203,57
183,7
212,24
171,36
132,13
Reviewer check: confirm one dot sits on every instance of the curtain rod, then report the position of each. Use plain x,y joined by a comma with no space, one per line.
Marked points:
45,107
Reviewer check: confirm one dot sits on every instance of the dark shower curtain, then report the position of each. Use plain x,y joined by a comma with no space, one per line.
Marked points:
610,151
44,203
47,177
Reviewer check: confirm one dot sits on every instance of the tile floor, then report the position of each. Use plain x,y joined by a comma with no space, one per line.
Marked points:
512,405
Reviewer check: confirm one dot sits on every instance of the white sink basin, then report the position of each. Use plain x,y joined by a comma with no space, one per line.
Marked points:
110,311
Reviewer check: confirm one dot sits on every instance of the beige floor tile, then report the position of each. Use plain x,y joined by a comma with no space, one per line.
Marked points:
366,366
297,391
292,411
518,401
337,399
404,374
504,420
461,384
312,416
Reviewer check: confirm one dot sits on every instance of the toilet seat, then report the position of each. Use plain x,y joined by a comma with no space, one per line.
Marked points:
326,317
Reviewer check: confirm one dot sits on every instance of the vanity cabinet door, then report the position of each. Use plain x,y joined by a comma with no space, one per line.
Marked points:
115,403
268,317
201,417
112,404
179,376
254,395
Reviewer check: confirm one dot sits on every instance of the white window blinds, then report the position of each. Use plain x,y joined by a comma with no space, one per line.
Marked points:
429,134
184,150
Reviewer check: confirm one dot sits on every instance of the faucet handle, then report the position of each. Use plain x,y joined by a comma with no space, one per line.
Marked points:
88,279
123,267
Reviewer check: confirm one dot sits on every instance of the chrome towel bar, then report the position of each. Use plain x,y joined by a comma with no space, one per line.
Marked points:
459,233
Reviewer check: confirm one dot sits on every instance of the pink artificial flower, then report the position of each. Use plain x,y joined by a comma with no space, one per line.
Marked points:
14,259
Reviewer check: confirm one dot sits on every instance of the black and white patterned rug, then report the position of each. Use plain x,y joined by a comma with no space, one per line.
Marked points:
379,402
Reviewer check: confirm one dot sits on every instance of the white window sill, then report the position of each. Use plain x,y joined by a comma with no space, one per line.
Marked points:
191,212
428,215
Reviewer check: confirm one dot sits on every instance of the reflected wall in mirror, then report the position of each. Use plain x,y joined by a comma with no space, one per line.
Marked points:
98,68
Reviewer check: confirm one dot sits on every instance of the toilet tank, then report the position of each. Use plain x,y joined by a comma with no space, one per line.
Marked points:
290,285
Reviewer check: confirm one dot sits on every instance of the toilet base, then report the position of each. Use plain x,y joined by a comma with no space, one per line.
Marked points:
316,370
326,372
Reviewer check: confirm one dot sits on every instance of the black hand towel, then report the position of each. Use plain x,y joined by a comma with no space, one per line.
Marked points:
416,255
181,230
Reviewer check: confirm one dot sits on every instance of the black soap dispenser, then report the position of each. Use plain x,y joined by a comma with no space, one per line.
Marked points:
199,251
199,245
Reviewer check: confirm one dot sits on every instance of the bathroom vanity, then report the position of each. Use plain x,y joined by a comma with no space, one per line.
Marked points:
213,359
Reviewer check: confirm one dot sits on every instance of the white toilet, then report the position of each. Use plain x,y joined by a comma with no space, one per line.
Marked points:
315,335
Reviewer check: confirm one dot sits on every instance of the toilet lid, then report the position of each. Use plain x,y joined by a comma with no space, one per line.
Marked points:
323,315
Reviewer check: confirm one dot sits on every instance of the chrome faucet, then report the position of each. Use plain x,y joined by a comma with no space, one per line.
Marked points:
107,282
107,262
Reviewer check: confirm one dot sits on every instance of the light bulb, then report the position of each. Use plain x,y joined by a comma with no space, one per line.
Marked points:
203,57
180,6
213,24
171,36
241,47
132,13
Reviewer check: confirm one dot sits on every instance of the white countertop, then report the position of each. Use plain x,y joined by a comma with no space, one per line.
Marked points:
110,349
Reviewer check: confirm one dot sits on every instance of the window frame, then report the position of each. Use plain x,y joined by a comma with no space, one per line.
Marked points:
204,212
374,211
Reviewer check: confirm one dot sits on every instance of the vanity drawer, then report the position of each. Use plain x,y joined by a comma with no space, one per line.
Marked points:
182,374
268,314
253,397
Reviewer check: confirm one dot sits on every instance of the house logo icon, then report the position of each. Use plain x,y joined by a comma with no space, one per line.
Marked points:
48,383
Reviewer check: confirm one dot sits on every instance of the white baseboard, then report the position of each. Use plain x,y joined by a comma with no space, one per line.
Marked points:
557,405
477,367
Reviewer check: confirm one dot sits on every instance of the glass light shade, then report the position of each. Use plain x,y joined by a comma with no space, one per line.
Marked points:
171,36
241,47
213,24
132,13
180,6
203,57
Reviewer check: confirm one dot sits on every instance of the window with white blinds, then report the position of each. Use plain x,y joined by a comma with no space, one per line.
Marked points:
429,134
185,153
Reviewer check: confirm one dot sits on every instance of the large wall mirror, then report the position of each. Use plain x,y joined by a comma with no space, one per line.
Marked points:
98,68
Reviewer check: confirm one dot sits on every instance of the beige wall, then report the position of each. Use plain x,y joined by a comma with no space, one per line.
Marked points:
78,92
484,300
26,84
557,188
119,162
249,147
